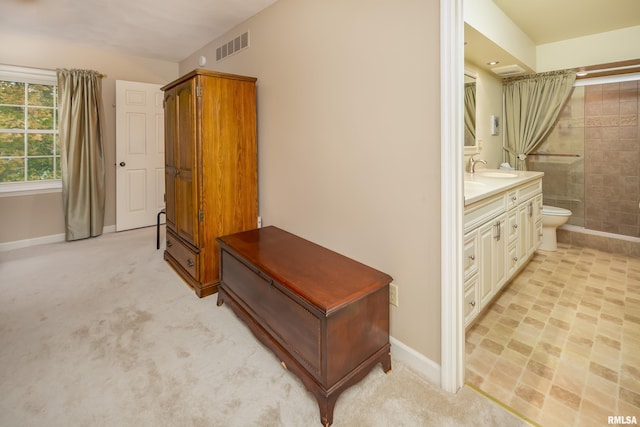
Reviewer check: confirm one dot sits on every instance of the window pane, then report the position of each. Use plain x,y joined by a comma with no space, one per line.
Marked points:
11,144
11,93
11,170
40,95
11,117
40,118
58,168
41,168
40,144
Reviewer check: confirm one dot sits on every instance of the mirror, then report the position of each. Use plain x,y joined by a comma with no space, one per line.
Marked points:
469,110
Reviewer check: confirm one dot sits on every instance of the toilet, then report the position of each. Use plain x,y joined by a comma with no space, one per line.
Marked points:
552,218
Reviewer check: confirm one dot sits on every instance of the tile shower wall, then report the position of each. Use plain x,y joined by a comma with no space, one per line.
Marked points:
597,174
612,158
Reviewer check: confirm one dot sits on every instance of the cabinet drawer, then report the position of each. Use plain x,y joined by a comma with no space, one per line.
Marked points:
184,255
471,306
512,199
530,190
512,225
513,262
288,322
483,211
537,208
470,254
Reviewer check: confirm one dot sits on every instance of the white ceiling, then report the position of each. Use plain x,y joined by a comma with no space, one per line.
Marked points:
161,29
173,29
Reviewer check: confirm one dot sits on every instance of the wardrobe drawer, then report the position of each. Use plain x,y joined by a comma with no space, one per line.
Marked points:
184,255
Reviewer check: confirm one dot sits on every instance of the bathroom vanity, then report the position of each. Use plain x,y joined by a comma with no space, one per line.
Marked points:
503,228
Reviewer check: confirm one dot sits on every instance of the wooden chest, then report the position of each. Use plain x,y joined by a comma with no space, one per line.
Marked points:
324,315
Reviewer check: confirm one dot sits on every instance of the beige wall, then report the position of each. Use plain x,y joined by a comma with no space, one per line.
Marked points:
28,217
349,138
603,48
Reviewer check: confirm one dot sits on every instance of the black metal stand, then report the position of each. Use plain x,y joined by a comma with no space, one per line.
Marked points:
158,229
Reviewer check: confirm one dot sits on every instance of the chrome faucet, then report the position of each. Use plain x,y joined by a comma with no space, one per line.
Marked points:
472,163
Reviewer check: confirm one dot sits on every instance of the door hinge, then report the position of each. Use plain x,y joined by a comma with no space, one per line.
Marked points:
200,215
198,90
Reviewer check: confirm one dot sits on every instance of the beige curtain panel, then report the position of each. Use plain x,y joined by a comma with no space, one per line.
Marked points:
81,152
532,105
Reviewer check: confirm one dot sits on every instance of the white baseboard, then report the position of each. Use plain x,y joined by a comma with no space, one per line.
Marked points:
417,362
43,240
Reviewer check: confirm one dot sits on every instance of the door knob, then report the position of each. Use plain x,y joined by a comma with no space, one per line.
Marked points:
123,164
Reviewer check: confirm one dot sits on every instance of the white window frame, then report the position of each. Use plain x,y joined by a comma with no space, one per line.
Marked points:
35,76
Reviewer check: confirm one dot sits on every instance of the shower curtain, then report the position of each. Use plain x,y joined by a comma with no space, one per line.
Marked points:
532,105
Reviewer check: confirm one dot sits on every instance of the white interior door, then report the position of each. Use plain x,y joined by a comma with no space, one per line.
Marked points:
139,154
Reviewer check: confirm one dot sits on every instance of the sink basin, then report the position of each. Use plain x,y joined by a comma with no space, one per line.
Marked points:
497,174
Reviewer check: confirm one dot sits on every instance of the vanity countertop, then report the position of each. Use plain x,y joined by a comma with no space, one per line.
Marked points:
487,182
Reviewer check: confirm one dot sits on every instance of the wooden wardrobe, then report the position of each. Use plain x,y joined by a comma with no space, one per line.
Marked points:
211,174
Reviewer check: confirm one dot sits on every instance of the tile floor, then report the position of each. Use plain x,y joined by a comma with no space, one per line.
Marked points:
561,344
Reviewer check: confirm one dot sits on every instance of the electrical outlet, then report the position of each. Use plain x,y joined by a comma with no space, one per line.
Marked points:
393,294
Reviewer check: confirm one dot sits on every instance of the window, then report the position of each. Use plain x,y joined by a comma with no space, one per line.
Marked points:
29,145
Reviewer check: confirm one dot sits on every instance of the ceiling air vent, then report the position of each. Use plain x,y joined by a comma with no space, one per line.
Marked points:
508,70
232,46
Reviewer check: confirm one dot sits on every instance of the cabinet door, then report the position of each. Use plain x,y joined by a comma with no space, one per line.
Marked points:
499,253
485,244
523,243
492,248
537,219
186,149
531,227
170,165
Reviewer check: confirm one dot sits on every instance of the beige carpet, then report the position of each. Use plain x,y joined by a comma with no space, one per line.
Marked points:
102,332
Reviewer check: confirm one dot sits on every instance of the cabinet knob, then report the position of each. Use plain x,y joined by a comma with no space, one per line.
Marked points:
515,225
515,259
169,243
472,303
472,257
514,198
189,262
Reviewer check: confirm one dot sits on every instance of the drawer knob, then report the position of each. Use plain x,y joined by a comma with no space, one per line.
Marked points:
514,198
472,303
189,262
472,257
515,225
169,243
515,259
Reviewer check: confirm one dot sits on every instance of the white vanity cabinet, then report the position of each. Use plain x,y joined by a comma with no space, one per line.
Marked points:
502,231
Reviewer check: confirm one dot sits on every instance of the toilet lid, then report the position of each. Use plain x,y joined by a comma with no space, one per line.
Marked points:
553,210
